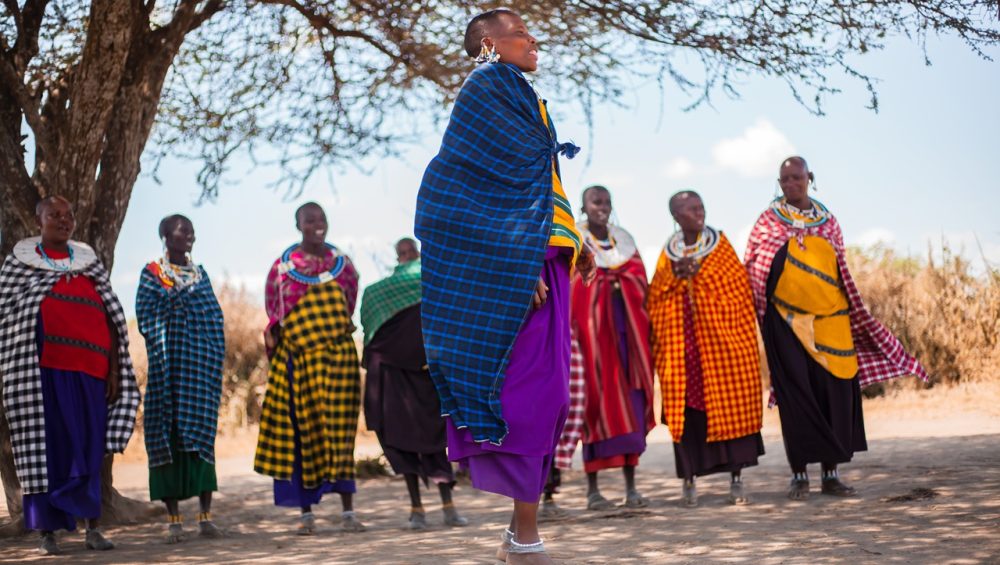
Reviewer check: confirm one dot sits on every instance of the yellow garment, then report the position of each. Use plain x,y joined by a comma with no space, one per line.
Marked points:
316,338
564,232
811,298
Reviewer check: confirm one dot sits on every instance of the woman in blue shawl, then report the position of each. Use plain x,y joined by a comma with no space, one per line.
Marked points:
498,242
181,321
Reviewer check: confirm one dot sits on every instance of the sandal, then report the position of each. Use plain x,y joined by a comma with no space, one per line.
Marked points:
350,522
452,518
49,545
834,487
689,495
799,490
207,528
418,520
96,540
736,495
635,500
307,524
596,501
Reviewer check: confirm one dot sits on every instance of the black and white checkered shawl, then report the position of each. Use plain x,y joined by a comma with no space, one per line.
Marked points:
22,288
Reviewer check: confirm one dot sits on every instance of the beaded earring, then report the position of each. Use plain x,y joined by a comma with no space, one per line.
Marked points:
487,54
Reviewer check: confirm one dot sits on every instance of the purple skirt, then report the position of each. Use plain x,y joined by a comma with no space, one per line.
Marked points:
534,399
76,414
293,494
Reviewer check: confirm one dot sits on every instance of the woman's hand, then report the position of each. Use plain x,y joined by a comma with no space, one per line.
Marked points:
541,294
686,268
270,340
586,266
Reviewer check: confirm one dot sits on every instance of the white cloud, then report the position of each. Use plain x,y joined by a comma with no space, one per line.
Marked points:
678,168
876,236
755,153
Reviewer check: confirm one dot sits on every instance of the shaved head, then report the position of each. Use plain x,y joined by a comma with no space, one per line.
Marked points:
48,201
795,160
479,27
676,199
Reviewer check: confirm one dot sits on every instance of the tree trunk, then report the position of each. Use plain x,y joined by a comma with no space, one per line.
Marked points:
98,119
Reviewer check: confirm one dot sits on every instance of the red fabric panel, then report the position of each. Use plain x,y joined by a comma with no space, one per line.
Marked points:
75,326
607,405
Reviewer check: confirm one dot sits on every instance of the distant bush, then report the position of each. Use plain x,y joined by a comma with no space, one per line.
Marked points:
944,313
244,372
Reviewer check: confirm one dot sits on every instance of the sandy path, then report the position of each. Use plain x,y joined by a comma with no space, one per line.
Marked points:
943,447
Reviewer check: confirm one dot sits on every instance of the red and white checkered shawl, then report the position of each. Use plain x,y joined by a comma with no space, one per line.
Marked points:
573,429
880,355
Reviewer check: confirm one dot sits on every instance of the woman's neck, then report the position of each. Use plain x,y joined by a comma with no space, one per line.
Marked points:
691,237
177,257
598,231
57,246
804,204
310,248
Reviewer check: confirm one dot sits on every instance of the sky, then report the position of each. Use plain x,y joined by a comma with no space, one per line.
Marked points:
923,170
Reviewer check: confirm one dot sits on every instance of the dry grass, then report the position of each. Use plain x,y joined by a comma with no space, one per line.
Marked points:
944,313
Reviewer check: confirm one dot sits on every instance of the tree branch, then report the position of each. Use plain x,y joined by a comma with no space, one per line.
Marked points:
13,83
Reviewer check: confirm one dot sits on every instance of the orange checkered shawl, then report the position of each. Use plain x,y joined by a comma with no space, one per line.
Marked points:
880,355
607,404
726,334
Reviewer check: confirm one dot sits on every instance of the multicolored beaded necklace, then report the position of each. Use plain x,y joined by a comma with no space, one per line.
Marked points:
676,249
287,266
60,266
800,219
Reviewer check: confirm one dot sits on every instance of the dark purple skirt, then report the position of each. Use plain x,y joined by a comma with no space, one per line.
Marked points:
401,403
821,416
76,415
293,494
534,399
696,457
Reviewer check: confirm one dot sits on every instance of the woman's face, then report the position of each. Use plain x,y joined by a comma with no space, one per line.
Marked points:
56,222
180,239
510,37
794,180
312,224
689,212
597,207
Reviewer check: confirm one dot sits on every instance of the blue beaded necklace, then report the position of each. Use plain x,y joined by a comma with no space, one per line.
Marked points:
51,262
288,267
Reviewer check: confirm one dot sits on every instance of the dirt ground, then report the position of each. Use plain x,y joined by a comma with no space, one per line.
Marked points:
929,492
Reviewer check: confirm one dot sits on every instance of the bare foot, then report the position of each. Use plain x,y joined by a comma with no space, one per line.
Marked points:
834,487
596,501
501,553
798,490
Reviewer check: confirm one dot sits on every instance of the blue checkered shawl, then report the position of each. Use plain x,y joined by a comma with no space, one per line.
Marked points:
484,214
186,347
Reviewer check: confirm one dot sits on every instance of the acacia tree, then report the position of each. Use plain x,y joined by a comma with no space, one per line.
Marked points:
307,84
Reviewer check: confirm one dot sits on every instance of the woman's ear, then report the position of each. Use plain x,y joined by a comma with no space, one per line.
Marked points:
812,177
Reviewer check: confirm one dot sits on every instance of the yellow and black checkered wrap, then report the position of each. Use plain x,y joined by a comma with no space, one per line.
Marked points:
316,337
726,334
